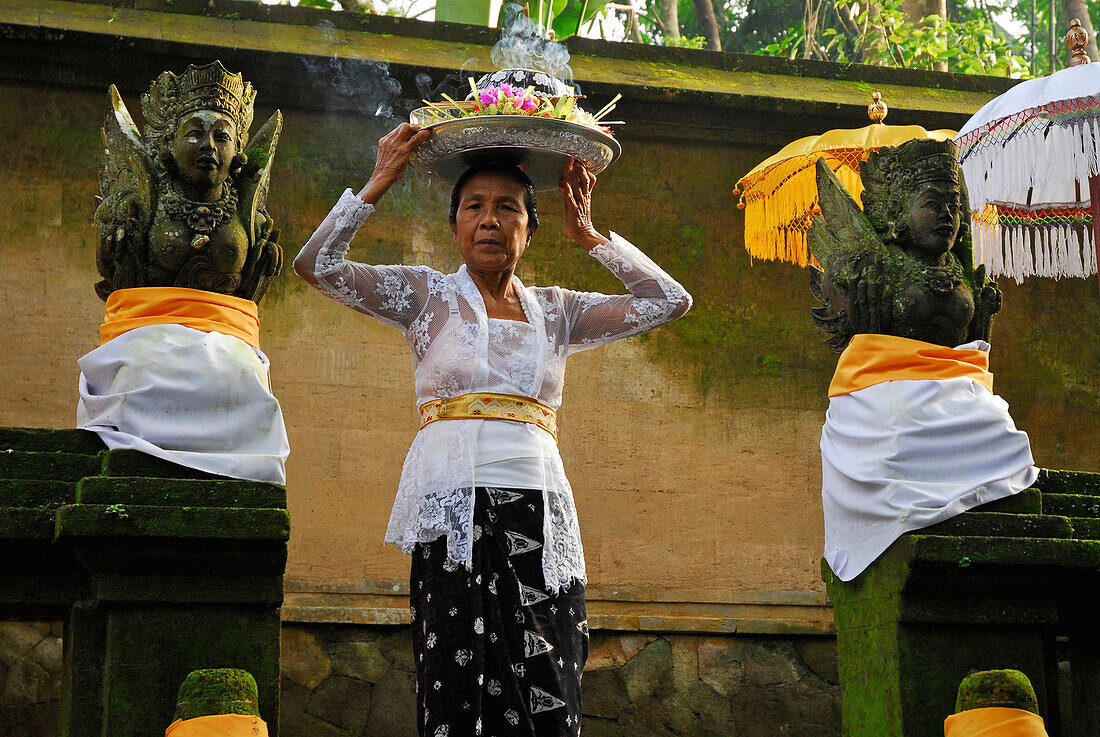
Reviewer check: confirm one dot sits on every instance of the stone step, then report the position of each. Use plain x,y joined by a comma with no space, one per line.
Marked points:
42,440
26,523
1068,482
1028,501
35,493
136,463
959,551
179,492
1071,505
55,466
209,523
992,524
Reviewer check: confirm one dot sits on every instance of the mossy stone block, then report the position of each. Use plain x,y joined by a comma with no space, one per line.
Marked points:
1005,688
136,463
19,464
36,493
26,523
217,691
996,524
967,551
1068,482
49,441
1085,528
138,521
180,492
1028,501
1072,505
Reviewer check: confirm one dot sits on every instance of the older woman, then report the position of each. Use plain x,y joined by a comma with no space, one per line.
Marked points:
484,507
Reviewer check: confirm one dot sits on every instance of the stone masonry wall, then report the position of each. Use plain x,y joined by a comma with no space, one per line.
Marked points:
30,678
358,681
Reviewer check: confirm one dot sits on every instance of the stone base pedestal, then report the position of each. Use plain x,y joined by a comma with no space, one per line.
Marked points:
155,569
1010,585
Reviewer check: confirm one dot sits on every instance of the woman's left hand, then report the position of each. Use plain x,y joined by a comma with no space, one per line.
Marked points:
576,185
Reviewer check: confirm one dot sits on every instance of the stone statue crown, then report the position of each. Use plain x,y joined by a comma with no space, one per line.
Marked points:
915,162
210,87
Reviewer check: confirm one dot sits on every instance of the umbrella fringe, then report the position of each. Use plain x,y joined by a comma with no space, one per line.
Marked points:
1047,232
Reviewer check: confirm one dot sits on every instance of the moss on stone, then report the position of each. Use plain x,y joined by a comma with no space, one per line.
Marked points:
36,493
18,464
210,523
217,691
1068,482
1028,501
48,441
179,492
1006,688
22,523
1072,505
996,524
136,463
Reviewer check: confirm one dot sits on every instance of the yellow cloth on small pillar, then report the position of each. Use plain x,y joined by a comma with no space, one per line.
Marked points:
872,359
209,312
994,721
218,725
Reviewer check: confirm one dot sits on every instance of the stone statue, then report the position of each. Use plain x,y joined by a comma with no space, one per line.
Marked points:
903,265
183,202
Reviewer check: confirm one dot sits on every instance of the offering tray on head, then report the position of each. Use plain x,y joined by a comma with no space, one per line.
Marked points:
538,128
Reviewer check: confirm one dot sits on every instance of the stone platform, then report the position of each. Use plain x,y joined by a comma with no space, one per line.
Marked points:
1012,584
156,570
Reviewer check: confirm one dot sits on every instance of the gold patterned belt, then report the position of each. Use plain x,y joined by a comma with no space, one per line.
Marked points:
489,406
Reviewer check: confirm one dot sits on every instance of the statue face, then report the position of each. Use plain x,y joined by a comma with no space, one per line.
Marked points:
204,147
934,217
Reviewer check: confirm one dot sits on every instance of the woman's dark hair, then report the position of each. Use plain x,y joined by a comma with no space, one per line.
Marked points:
508,170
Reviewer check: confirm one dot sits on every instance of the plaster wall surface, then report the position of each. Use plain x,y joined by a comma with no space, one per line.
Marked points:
692,451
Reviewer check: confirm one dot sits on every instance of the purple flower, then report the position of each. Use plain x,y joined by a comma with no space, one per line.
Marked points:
507,90
527,104
488,96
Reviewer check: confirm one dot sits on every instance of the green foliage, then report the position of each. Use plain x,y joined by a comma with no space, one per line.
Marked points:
565,17
881,33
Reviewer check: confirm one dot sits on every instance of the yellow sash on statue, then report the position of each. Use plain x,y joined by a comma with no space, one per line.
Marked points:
994,721
210,312
873,359
218,725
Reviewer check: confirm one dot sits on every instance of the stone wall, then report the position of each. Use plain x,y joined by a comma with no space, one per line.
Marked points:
30,678
358,681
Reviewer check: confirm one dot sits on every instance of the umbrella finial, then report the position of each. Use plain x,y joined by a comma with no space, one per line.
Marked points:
877,110
1076,39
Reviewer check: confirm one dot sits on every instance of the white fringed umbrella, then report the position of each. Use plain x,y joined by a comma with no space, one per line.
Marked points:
1031,158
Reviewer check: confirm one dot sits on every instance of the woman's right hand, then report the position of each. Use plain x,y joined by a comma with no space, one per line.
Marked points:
394,150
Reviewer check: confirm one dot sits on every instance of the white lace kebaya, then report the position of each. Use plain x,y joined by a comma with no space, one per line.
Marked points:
457,349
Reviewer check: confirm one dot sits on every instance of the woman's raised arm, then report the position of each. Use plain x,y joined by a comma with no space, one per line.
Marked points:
594,319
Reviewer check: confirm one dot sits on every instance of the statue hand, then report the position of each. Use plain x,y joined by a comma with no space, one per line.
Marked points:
869,310
394,151
576,185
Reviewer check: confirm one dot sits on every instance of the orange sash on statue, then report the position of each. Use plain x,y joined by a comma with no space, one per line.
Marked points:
218,725
209,312
994,721
872,359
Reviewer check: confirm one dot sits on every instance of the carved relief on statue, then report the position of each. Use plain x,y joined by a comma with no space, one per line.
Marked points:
183,201
903,265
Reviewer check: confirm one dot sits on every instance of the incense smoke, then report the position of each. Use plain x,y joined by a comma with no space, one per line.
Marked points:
523,45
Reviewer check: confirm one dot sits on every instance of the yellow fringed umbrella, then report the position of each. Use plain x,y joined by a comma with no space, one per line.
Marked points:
779,196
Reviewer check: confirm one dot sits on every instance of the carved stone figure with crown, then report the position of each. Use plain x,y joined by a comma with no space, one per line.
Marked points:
183,201
903,265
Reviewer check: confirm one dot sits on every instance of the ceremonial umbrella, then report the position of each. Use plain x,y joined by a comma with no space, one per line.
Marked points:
1030,158
779,196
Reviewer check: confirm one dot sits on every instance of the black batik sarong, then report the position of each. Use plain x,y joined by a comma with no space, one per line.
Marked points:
496,654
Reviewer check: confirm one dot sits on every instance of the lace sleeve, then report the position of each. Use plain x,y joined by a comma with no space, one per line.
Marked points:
395,295
655,298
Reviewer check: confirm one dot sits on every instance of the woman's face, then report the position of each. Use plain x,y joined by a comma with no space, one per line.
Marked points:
491,226
204,147
934,217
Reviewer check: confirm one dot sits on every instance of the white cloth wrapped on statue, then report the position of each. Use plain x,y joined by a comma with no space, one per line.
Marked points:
914,435
180,376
